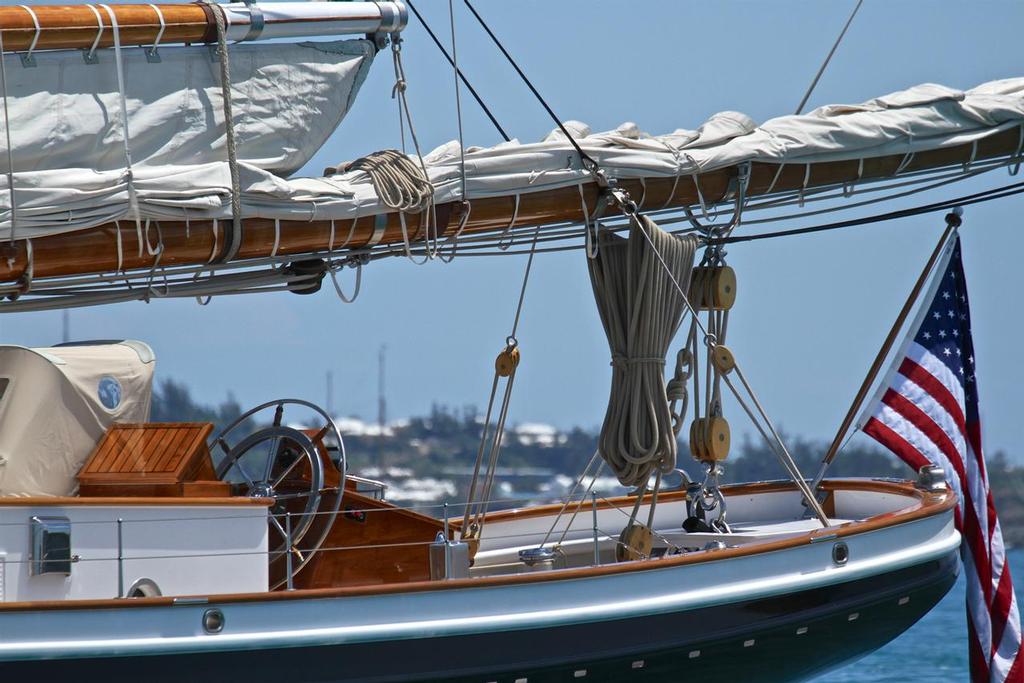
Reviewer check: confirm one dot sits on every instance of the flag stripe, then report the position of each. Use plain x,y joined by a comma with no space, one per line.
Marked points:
928,412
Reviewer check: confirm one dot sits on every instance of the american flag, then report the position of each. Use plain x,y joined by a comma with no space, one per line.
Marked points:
927,413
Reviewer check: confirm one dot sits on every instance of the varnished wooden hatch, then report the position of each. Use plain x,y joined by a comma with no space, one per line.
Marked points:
164,459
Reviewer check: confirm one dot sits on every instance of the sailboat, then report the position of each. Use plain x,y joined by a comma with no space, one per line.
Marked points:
150,153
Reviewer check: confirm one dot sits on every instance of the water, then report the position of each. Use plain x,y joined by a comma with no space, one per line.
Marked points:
933,651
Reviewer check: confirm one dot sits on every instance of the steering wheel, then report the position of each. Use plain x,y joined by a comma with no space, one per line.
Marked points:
285,463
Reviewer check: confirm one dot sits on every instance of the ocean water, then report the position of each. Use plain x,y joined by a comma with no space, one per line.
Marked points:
934,650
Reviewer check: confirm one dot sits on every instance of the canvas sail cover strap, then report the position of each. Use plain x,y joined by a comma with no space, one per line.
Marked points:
637,282
280,102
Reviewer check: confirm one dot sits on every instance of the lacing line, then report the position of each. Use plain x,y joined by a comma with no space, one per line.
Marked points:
216,241
974,154
849,187
99,34
907,158
160,34
1013,169
35,38
120,248
406,245
590,241
277,237
502,244
133,200
358,285
803,187
25,282
778,173
454,239
700,194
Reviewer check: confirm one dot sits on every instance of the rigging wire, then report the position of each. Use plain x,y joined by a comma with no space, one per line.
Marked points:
966,200
462,76
585,158
828,58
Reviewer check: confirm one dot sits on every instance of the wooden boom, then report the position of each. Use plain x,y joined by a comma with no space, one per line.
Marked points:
42,27
94,250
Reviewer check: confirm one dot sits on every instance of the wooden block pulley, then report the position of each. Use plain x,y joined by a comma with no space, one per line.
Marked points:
709,439
713,288
507,361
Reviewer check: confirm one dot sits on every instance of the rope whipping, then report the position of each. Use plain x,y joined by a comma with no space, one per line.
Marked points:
641,310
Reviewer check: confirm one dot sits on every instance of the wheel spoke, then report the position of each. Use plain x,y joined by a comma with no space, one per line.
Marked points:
293,496
321,434
271,457
278,414
280,529
287,471
241,468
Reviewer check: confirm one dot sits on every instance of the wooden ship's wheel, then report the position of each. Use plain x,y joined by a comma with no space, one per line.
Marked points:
302,470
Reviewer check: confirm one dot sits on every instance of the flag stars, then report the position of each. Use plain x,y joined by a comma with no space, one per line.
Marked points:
942,333
951,314
958,352
947,352
945,295
936,315
956,332
961,369
927,335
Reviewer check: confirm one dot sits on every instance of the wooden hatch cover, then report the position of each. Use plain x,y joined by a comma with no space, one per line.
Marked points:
154,459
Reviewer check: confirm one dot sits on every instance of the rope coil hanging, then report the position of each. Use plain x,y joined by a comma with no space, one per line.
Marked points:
399,181
641,309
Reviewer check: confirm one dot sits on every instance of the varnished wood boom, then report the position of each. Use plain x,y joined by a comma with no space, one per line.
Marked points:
94,250
42,27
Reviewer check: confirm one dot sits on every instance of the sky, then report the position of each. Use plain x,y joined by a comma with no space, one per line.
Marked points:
811,312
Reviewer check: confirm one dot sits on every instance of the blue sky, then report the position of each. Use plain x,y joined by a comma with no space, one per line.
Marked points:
811,311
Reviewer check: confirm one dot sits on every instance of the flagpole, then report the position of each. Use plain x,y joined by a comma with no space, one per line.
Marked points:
953,221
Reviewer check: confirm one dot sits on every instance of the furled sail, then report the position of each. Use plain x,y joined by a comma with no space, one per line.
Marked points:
920,129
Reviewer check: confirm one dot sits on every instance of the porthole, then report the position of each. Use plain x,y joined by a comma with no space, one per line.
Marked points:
840,554
213,621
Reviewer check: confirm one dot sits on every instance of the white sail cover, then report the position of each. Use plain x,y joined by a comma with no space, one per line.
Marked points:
57,403
924,117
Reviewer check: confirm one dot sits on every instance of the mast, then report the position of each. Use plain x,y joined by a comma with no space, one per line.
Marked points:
93,251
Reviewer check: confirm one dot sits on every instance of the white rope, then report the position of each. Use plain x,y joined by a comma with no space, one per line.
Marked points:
120,248
160,34
400,183
641,313
508,229
99,34
39,30
133,200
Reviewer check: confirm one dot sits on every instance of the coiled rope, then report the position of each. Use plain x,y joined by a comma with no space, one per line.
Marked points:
641,310
400,183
